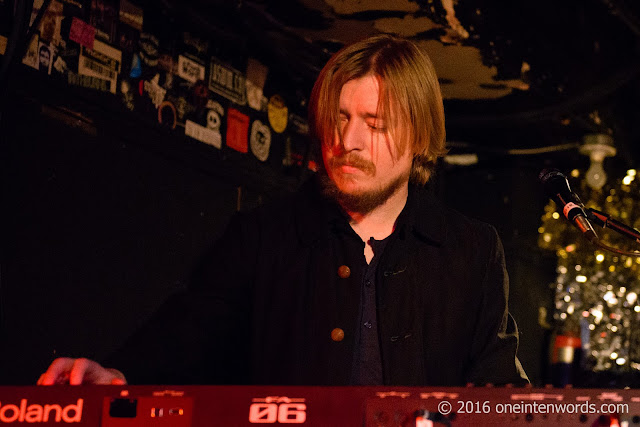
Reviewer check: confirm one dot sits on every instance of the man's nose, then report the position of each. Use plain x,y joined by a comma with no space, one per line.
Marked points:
352,137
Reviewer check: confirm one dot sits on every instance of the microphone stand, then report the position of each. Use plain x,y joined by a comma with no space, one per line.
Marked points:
605,221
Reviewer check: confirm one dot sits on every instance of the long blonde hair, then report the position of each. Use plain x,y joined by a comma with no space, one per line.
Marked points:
408,88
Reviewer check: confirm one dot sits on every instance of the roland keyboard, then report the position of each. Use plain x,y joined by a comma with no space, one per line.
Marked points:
200,406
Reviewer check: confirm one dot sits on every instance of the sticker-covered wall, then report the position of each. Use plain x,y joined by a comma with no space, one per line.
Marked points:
216,88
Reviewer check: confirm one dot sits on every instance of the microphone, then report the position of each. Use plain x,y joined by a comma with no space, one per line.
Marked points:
557,188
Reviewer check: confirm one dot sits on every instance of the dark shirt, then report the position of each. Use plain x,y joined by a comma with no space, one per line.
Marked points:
367,360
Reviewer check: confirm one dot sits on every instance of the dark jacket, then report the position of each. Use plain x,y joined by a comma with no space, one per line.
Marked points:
262,306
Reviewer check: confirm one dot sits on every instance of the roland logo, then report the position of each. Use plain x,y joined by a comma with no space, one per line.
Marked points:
35,413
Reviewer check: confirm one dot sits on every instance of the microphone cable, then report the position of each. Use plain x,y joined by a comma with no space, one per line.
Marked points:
606,246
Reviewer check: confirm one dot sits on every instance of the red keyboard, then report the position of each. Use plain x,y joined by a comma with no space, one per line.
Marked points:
200,406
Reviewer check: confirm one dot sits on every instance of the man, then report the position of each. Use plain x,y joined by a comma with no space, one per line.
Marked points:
360,278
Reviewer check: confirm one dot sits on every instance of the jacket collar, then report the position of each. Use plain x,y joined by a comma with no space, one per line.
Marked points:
426,215
316,216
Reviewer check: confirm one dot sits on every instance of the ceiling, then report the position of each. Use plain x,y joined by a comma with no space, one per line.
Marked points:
514,74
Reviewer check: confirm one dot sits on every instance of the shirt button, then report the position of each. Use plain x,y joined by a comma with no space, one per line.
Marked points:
337,335
367,283
367,324
344,271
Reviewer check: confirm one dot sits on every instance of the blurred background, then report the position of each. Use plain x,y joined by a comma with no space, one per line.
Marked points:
131,131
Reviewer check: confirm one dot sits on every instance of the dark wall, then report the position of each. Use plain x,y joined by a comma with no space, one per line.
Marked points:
96,233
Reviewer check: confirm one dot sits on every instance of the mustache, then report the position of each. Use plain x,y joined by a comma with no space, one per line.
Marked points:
355,161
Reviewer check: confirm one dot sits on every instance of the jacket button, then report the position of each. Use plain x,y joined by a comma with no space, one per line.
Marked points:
344,271
337,335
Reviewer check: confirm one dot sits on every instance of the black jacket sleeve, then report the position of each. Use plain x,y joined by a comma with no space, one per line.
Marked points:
495,343
199,336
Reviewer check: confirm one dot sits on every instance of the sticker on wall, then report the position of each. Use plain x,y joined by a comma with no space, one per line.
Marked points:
75,3
260,140
214,118
237,130
256,77
155,91
44,57
170,67
195,45
298,124
148,45
126,92
37,5
278,113
78,5
189,69
82,33
167,114
59,65
66,57
296,148
203,134
200,97
214,115
51,23
166,80
104,18
88,82
312,165
136,67
227,81
128,38
104,54
214,121
166,62
131,15
102,61
182,106
287,159
31,55
201,91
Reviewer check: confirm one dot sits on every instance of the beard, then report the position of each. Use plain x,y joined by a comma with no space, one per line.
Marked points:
363,201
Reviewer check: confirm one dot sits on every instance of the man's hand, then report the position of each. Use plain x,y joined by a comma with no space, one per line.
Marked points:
80,371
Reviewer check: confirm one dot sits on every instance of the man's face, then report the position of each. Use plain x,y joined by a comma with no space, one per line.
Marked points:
44,57
364,163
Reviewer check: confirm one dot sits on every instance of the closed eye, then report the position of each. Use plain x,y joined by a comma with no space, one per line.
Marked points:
375,128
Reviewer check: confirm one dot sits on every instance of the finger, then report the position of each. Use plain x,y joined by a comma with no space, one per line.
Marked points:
57,368
39,382
80,366
115,377
86,371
